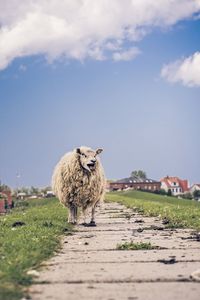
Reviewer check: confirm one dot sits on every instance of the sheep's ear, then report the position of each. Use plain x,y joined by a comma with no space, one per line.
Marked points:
78,150
98,151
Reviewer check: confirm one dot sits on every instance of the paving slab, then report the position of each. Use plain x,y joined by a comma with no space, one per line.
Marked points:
120,272
122,291
82,241
93,256
89,266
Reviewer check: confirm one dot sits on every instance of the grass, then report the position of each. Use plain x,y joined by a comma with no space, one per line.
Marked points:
136,246
179,212
24,247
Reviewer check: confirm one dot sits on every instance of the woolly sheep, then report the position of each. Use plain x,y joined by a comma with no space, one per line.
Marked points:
78,181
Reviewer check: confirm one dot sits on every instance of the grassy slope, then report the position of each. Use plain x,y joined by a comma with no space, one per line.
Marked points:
180,212
25,247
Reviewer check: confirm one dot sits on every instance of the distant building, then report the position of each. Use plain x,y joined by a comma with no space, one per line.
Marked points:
9,198
50,194
33,197
195,187
2,205
5,201
21,195
176,185
135,184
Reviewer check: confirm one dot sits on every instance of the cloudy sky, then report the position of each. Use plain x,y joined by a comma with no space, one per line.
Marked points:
122,75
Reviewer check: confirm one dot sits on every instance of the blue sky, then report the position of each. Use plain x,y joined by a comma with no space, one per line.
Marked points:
142,120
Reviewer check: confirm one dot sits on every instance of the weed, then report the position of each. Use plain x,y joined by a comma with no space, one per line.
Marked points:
136,246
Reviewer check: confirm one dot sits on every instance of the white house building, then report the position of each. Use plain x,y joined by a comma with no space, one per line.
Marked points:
195,187
176,185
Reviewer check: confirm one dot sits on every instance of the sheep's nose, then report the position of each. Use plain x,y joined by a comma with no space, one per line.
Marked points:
93,161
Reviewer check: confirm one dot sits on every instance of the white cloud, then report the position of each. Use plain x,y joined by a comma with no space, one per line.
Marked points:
126,55
80,29
186,71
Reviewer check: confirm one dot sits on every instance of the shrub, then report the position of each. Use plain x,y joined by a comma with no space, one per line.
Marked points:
169,193
196,194
187,196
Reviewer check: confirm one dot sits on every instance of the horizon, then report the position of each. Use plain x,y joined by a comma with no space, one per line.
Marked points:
104,75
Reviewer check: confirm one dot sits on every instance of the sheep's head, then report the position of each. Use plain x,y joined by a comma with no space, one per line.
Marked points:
88,157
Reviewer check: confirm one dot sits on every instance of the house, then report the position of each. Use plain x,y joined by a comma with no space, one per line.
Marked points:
174,184
195,187
50,194
33,197
5,201
8,195
135,183
21,195
2,203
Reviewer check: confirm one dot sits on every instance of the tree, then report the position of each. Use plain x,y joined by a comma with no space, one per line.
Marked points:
46,189
163,192
138,174
24,190
4,188
34,190
187,195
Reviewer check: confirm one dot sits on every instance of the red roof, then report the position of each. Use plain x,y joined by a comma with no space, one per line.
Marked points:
170,180
184,185
8,196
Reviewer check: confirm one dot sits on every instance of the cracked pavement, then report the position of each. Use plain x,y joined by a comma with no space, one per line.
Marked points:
90,267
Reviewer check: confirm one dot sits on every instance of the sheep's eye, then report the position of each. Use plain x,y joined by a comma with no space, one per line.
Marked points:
83,154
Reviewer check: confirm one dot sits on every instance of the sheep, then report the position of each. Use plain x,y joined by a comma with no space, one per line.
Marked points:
79,181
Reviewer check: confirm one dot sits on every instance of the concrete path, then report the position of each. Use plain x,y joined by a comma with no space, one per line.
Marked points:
90,267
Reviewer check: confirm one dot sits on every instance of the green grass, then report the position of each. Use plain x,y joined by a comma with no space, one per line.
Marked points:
25,247
179,212
136,246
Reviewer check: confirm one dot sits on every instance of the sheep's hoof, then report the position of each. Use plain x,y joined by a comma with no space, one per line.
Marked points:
73,223
92,223
84,224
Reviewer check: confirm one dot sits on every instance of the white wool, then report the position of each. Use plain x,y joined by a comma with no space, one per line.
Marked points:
72,184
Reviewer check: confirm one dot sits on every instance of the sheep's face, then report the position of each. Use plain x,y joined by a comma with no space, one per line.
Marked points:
88,157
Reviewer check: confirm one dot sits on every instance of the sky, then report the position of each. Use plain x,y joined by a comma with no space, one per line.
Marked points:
121,75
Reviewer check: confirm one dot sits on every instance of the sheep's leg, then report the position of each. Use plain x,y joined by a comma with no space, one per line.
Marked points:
92,222
69,216
93,214
84,216
73,214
